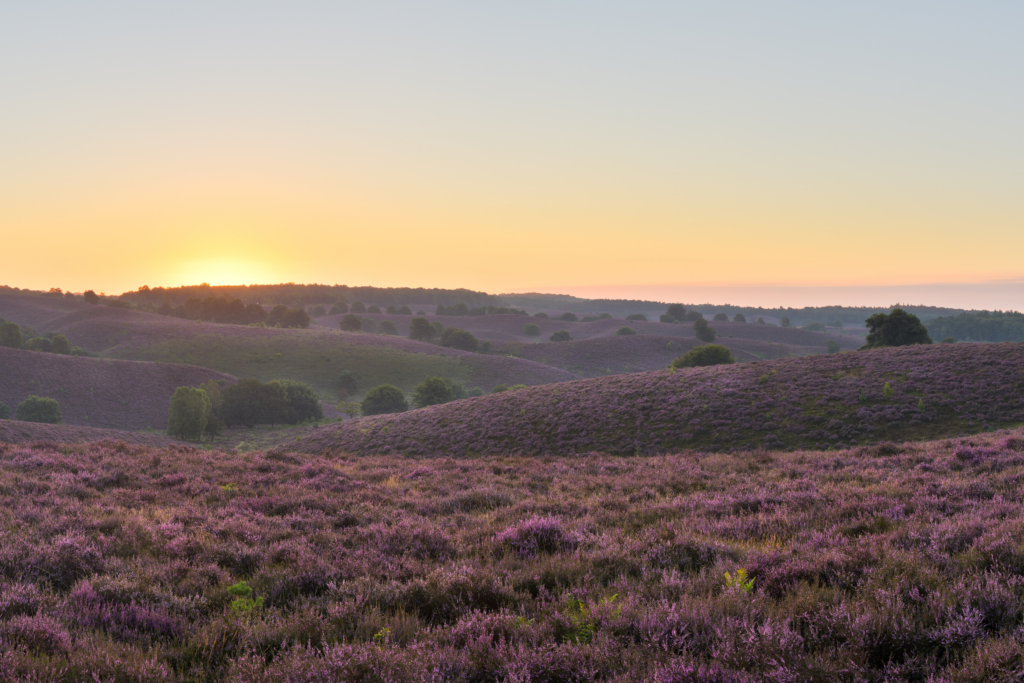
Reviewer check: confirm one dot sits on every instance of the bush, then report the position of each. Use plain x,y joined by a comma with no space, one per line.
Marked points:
383,400
832,346
438,328
721,317
739,318
693,316
898,328
624,331
560,336
404,310
301,402
568,317
815,327
38,344
373,310
540,315
59,344
703,356
703,331
339,308
350,323
90,297
455,338
369,325
666,318
636,316
38,409
250,402
677,311
358,307
391,310
760,321
5,412
348,384
189,412
431,392
10,335
784,321
420,329
318,312
498,388
387,327
948,340
532,330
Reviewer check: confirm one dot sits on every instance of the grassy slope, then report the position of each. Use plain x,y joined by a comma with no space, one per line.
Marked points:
98,392
15,432
937,391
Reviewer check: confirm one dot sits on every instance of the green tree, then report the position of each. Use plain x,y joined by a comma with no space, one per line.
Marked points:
301,402
38,409
318,312
560,336
569,317
636,316
677,311
431,392
339,308
10,335
420,329
358,307
666,318
455,338
542,314
90,297
703,331
373,310
832,346
721,317
348,384
60,344
784,321
898,328
532,330
5,412
498,388
350,322
739,318
384,399
295,318
404,310
624,331
250,402
189,412
38,344
391,310
388,327
438,328
702,356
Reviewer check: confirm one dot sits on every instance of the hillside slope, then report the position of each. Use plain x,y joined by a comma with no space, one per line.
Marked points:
825,400
37,310
98,392
16,432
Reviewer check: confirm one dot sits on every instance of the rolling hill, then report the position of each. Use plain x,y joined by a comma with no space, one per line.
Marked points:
15,432
820,401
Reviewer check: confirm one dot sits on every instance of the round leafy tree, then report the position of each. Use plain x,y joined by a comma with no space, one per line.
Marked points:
568,317
721,317
384,399
373,309
784,321
339,308
5,412
318,312
251,402
666,318
624,331
10,335
420,329
542,314
677,311
38,409
703,331
60,344
301,402
560,336
455,338
404,310
532,329
739,318
358,307
898,328
189,413
350,322
431,392
832,346
636,316
387,327
38,344
702,356
391,310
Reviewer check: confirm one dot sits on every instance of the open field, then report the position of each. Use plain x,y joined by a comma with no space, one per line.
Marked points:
98,392
836,400
882,563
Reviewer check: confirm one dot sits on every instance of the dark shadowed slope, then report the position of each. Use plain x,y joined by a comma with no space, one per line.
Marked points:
837,399
13,431
98,392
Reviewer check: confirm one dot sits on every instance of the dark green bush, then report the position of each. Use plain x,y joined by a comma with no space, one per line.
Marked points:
624,331
59,344
739,318
532,330
898,328
347,383
498,388
432,391
815,327
391,310
318,312
373,310
10,335
560,336
784,321
677,311
636,316
387,327
38,409
301,402
438,328
189,412
5,412
250,402
339,308
90,297
350,322
384,399
540,315
404,310
358,307
369,325
420,329
721,317
709,354
454,338
703,331
569,317
38,344
832,346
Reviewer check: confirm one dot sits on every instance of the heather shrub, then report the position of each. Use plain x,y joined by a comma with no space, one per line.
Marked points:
189,412
350,323
703,331
420,329
560,336
432,391
40,635
529,538
897,328
708,354
636,316
459,339
10,335
38,409
625,332
41,344
532,330
387,327
384,399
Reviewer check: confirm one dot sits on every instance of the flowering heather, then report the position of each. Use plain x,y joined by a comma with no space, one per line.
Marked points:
881,563
98,393
817,401
13,431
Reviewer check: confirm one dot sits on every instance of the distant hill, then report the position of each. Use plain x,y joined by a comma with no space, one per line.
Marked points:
15,432
819,401
292,294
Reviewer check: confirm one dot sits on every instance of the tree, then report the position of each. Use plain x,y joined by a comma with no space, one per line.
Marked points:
189,412
391,310
569,317
318,312
301,402
721,317
784,321
636,316
532,330
369,325
498,388
339,308
666,318
420,329
38,409
438,328
739,318
10,335
5,412
373,310
703,331
388,327
90,297
404,310
542,314
60,344
693,316
384,399
760,321
624,331
898,328
431,392
358,307
275,316
677,311
348,384
832,346
560,336
250,402
295,318
38,344
455,338
350,322
703,356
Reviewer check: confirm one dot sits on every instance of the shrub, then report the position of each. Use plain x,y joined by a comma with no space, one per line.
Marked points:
250,402
542,314
528,538
358,307
388,327
438,328
38,344
404,310
532,330
898,328
568,317
373,310
948,340
485,347
815,327
498,388
90,297
369,325
624,331
10,335
703,356
38,409
516,387
560,336
350,323
474,391
703,331
339,308
420,329
59,344
301,402
189,412
348,384
391,310
636,316
455,338
431,392
318,312
5,412
296,318
677,311
721,317
739,318
784,321
666,318
383,400
832,346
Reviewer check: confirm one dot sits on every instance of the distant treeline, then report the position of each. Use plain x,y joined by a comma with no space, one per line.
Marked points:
997,326
234,312
463,309
299,296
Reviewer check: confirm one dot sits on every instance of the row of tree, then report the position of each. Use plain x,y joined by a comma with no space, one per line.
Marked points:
34,409
234,312
15,336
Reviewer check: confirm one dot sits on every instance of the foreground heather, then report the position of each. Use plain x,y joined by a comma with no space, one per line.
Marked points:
889,563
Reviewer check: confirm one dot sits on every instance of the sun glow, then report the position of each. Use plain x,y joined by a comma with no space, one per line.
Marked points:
220,271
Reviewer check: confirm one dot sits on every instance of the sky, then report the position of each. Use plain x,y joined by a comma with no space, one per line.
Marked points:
762,153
